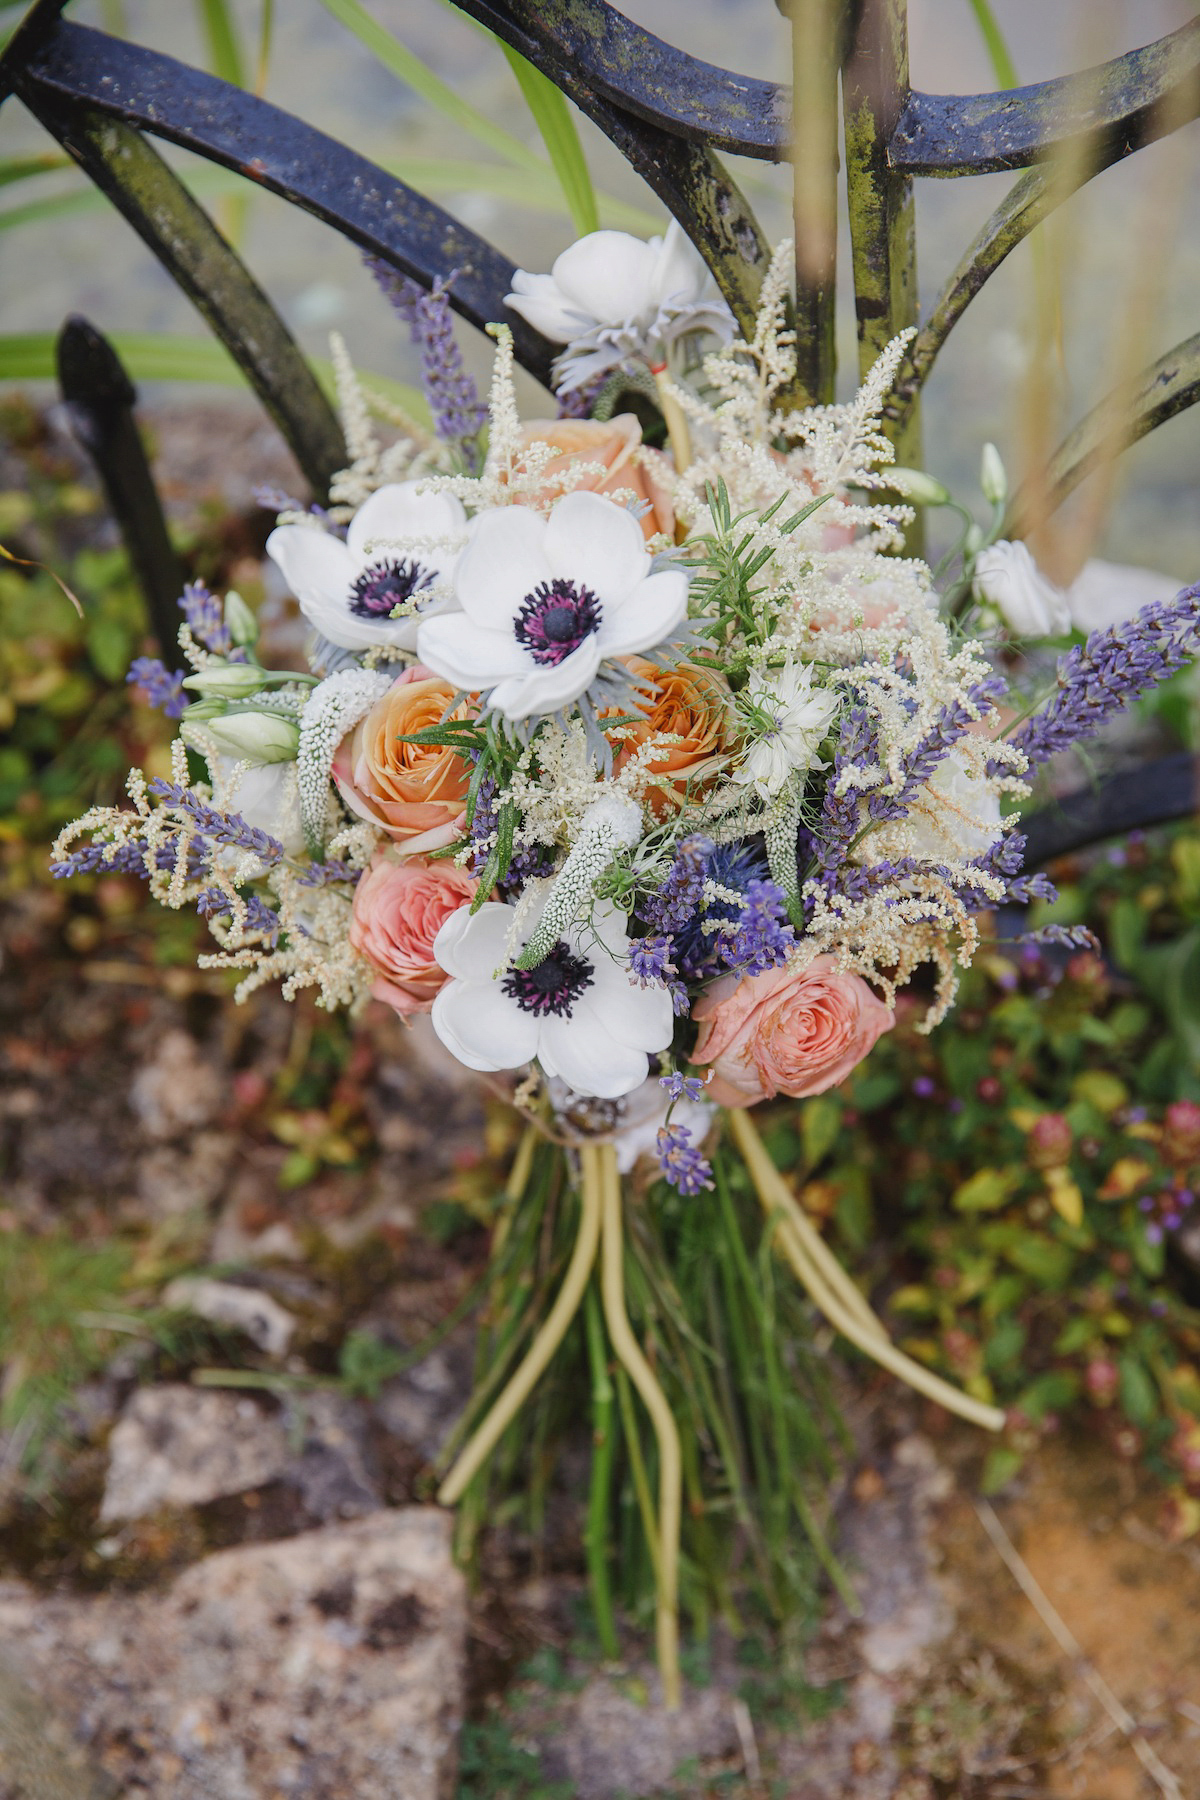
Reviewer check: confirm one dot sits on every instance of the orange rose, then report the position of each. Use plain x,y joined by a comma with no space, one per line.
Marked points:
691,704
786,1032
615,444
414,792
399,908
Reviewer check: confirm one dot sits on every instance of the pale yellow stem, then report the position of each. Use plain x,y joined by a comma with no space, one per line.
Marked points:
570,1297
676,423
670,1460
814,1270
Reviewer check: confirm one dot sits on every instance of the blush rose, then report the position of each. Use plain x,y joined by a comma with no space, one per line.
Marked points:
415,792
399,908
794,1032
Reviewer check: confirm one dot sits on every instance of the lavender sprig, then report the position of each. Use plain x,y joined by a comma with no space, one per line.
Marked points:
1115,666
161,687
681,1162
684,1087
1070,937
260,918
322,874
221,828
453,398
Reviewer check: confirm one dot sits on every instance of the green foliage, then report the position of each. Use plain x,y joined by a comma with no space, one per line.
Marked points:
491,1766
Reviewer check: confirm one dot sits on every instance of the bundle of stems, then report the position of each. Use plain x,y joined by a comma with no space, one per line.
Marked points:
711,1418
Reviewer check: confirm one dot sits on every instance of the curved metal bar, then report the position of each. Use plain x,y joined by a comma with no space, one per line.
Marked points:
1130,412
288,157
639,73
1111,107
1154,794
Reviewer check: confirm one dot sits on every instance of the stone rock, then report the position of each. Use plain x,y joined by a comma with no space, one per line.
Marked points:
38,1757
334,1473
176,1179
178,1090
604,1741
421,1405
261,1318
180,1446
325,1666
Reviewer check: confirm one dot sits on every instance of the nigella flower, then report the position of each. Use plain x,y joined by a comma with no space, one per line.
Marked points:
545,600
578,1012
393,553
786,720
617,302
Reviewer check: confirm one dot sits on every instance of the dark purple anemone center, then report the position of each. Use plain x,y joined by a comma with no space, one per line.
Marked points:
554,986
555,619
383,585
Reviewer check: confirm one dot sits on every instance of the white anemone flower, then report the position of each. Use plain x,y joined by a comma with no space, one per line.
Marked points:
401,542
788,720
578,1013
545,600
614,300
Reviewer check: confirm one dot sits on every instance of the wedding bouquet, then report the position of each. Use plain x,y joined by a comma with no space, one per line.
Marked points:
650,774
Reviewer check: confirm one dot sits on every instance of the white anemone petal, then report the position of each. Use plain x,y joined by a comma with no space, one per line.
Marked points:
540,301
457,650
641,1018
651,613
482,1027
594,541
536,691
586,1057
607,274
504,561
471,946
398,512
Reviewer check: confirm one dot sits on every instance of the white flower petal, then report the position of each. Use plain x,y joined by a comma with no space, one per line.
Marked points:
588,1059
655,609
315,565
504,561
641,1018
1105,593
594,541
680,273
540,300
398,512
459,651
543,690
482,1027
607,274
471,946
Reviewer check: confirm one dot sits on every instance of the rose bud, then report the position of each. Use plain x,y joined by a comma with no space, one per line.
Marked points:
1100,1378
1050,1141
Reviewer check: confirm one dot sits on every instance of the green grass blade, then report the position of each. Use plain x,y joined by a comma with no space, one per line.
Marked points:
995,43
224,46
19,168
552,116
266,27
409,69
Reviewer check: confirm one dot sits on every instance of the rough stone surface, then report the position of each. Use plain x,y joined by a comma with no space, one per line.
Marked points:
178,1090
421,1405
613,1742
327,1666
263,1320
180,1446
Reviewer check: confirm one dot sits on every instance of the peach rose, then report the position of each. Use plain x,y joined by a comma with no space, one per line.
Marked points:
414,792
690,704
399,908
613,442
786,1032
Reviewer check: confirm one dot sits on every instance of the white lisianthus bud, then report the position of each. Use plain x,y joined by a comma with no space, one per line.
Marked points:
261,736
993,481
1030,604
240,622
230,681
973,542
915,484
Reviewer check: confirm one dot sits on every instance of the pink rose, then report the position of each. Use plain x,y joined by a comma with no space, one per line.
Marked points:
786,1032
399,908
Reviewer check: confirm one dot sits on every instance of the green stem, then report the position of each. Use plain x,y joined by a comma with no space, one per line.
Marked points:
603,1447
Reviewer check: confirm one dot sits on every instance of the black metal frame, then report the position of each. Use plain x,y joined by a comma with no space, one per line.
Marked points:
670,114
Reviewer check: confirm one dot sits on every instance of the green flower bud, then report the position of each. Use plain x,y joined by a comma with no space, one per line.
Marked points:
231,681
993,481
975,540
240,622
264,737
915,484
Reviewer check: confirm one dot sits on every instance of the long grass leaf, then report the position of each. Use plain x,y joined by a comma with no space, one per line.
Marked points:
995,43
266,27
19,168
409,68
552,116
224,45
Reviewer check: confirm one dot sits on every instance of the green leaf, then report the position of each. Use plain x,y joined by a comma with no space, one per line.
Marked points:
552,116
224,48
20,168
999,55
1005,1344
820,1123
852,1209
1139,1396
1047,1261
1000,1465
1051,1392
985,1191
409,69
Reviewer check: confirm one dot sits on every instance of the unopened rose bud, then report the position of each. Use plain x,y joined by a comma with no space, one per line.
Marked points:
915,484
230,681
1050,1141
1181,1131
240,622
993,480
261,736
1100,1379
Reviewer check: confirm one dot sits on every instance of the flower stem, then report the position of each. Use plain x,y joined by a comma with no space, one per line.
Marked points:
551,1335
677,426
603,1445
670,1472
830,1286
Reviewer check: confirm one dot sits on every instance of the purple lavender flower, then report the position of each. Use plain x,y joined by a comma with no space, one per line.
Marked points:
650,960
681,1162
921,763
684,1087
1070,937
450,391
764,937
321,874
206,618
219,827
1115,666
924,1087
526,864
161,687
260,918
